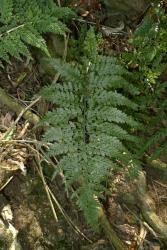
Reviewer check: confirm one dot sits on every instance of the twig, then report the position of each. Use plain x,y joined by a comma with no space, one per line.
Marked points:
23,131
23,141
14,105
23,111
161,184
76,229
39,169
150,230
7,182
142,236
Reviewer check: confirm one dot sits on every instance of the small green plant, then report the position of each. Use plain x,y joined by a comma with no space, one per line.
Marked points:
90,130
149,57
23,23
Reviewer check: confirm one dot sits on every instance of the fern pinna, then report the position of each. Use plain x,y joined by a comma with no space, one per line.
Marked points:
23,23
89,130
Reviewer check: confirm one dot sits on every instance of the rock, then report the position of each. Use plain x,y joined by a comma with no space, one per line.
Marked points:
125,9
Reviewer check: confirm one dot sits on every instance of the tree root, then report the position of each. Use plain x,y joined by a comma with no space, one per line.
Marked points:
15,106
139,197
110,232
148,209
156,168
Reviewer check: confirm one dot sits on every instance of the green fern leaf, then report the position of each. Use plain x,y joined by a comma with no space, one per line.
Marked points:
23,23
6,9
91,124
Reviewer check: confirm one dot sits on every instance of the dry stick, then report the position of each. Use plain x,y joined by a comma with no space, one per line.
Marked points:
161,184
18,108
7,182
141,222
23,131
76,229
23,111
39,169
23,141
26,109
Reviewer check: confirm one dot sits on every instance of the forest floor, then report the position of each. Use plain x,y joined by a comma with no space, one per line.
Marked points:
26,194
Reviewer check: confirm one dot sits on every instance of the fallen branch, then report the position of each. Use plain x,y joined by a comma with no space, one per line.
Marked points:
18,108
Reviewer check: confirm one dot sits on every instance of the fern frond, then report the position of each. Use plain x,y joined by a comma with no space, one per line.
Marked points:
91,123
24,22
6,9
149,55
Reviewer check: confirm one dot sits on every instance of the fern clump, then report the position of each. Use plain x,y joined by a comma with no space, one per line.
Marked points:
23,23
90,128
149,56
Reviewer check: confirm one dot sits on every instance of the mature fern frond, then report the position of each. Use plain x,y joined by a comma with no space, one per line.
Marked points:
23,23
90,127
